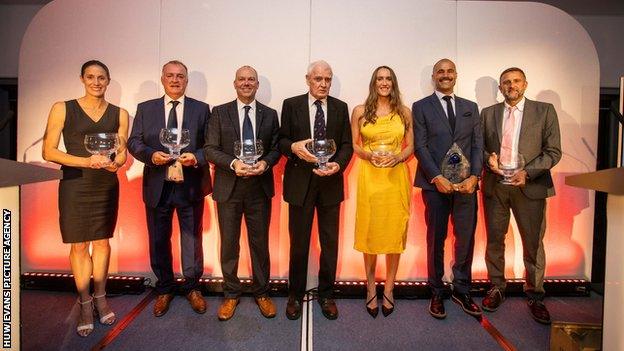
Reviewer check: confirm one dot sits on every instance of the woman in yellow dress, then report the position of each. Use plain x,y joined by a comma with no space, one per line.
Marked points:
383,140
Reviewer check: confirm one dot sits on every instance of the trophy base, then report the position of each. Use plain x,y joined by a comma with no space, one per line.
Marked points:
505,181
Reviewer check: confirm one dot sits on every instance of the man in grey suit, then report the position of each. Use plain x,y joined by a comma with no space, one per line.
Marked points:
242,189
530,128
440,120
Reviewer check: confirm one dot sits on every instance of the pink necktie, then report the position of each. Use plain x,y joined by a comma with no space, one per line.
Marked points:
508,137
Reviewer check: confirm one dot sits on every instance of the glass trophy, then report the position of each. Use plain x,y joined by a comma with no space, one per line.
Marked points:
105,144
323,149
248,151
509,166
175,140
455,166
382,144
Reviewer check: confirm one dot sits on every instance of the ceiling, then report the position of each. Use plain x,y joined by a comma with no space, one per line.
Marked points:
573,7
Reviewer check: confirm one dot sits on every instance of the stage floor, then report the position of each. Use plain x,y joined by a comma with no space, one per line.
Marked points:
49,321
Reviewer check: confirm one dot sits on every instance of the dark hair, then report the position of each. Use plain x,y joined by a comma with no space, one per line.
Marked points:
94,63
512,69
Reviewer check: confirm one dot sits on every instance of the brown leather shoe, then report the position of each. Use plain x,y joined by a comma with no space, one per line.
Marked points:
539,312
266,306
227,308
492,301
162,304
197,301
328,307
293,308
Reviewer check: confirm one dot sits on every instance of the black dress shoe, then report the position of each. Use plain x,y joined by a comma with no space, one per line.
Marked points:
329,308
494,298
293,308
436,307
372,311
539,312
387,310
466,303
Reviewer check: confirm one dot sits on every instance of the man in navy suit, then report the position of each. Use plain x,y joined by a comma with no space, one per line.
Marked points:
242,189
440,120
169,185
307,188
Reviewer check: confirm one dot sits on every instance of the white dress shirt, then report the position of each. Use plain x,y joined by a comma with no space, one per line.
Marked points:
179,109
443,102
241,116
518,114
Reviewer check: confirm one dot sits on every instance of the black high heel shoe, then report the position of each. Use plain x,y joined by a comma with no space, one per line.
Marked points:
372,311
386,311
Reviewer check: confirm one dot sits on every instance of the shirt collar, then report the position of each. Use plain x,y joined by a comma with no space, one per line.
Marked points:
519,105
441,95
312,99
240,104
168,99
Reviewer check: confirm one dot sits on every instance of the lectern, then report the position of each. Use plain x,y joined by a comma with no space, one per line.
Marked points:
12,175
610,181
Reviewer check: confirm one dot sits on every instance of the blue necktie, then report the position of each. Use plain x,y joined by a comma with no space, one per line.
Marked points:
172,120
247,127
319,121
449,111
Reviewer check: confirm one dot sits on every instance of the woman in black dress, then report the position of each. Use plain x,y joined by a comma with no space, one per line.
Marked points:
89,190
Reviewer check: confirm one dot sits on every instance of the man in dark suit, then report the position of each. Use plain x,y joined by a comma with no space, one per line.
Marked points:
440,120
243,189
307,188
169,185
531,129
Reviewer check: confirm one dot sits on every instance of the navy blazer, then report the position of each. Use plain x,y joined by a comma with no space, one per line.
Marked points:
295,126
223,129
433,137
144,141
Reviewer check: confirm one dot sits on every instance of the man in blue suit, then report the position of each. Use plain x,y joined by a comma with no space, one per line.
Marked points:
440,120
169,185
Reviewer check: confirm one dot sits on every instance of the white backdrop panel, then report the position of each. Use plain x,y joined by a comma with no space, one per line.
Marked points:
279,38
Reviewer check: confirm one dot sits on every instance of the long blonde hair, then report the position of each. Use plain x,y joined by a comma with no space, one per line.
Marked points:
370,106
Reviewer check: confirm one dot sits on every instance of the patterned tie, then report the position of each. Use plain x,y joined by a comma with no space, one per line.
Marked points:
506,154
172,121
247,127
319,121
449,111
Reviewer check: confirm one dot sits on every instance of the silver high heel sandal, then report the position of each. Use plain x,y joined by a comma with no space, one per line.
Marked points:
107,319
85,329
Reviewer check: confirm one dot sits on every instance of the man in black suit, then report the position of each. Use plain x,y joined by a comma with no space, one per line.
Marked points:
243,189
169,185
307,188
440,120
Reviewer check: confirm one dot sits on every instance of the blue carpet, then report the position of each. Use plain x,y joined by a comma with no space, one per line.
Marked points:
514,321
49,320
183,329
409,327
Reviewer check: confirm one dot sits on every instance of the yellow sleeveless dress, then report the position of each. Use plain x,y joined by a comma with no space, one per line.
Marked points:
383,194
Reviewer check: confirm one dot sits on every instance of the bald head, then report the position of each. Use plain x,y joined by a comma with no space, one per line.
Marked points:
246,84
444,76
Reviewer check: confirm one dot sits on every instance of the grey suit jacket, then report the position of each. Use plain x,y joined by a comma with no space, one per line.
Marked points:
540,144
223,129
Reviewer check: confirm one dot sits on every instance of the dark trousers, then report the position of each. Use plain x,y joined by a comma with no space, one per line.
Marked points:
531,219
159,227
247,198
300,220
463,211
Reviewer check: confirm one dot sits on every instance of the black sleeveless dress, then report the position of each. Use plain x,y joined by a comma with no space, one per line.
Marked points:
88,198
